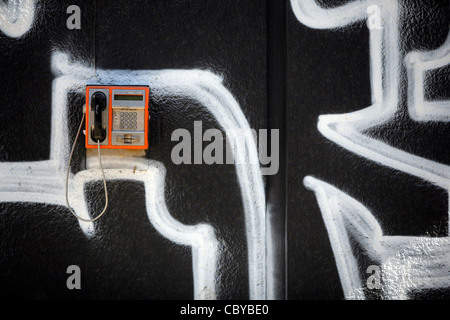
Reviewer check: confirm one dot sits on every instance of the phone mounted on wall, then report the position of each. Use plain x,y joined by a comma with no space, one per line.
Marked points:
116,120
117,117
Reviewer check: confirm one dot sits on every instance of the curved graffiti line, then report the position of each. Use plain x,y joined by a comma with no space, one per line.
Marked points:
206,88
200,237
348,130
417,65
313,15
43,181
16,17
407,263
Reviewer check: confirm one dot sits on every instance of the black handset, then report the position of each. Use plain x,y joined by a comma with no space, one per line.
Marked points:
98,105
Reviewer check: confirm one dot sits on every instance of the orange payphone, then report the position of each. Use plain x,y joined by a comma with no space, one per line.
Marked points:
117,116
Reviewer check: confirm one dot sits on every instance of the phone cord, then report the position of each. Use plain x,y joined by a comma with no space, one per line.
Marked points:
68,173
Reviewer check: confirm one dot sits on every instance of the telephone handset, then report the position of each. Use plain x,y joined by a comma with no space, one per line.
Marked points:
98,105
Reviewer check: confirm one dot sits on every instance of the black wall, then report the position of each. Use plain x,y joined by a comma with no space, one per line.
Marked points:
283,74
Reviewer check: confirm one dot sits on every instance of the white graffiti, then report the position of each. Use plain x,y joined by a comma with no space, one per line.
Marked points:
43,181
407,263
406,260
418,64
16,17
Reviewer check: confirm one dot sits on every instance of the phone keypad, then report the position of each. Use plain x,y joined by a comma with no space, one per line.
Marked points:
128,120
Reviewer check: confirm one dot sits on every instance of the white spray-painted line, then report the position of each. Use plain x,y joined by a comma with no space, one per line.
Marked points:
346,264
313,15
221,104
348,130
407,263
46,178
200,237
206,88
202,86
417,64
16,17
43,182
333,128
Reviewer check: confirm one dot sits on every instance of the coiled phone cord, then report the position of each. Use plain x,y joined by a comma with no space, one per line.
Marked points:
68,172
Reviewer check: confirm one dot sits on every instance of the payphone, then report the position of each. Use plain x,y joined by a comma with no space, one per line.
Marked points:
116,122
117,116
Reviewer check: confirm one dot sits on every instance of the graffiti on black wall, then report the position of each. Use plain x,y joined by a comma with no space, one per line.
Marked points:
44,181
408,93
407,263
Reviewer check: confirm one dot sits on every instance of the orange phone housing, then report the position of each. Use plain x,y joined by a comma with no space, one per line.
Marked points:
110,116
